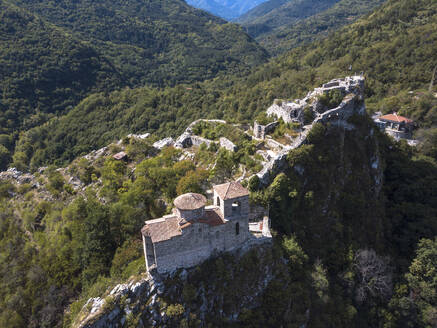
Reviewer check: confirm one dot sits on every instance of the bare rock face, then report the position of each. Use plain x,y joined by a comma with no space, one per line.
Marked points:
18,176
166,142
227,144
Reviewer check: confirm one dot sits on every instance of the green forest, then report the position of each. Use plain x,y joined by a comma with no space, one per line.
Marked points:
291,35
354,227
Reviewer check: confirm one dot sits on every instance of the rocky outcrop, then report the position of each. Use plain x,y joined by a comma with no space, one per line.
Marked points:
139,136
227,144
18,176
150,300
166,142
95,154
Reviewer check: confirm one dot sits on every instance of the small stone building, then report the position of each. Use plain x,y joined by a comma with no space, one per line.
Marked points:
195,231
397,126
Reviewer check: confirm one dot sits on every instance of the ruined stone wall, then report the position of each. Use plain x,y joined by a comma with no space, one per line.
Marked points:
227,144
353,103
260,131
293,110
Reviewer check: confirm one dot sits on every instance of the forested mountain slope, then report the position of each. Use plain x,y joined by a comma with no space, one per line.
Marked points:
44,70
394,47
228,9
162,42
290,35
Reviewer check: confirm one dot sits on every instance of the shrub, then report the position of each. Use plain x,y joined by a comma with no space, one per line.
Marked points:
308,115
331,99
175,310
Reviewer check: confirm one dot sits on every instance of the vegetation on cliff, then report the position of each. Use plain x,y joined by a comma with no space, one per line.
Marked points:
359,220
354,214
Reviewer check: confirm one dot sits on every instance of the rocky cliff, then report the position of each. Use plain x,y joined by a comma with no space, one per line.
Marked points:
219,291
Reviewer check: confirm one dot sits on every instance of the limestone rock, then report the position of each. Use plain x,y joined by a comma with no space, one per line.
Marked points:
166,142
227,144
184,141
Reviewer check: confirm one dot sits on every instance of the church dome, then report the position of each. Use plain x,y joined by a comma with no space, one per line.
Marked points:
190,201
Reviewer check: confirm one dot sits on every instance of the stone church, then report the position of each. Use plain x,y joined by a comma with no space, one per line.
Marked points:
195,231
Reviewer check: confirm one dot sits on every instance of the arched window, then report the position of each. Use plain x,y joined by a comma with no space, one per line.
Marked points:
218,201
236,208
237,228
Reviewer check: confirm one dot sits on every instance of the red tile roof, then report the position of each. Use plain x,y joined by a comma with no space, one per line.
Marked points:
168,227
212,217
395,118
231,190
162,229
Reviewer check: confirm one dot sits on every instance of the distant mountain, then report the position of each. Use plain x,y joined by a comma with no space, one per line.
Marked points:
280,25
276,13
342,13
228,9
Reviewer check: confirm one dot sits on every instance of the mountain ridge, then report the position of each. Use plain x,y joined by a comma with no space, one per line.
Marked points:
283,25
274,13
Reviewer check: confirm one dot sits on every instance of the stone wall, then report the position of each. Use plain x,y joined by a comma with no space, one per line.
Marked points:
190,214
226,205
230,211
198,242
288,111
